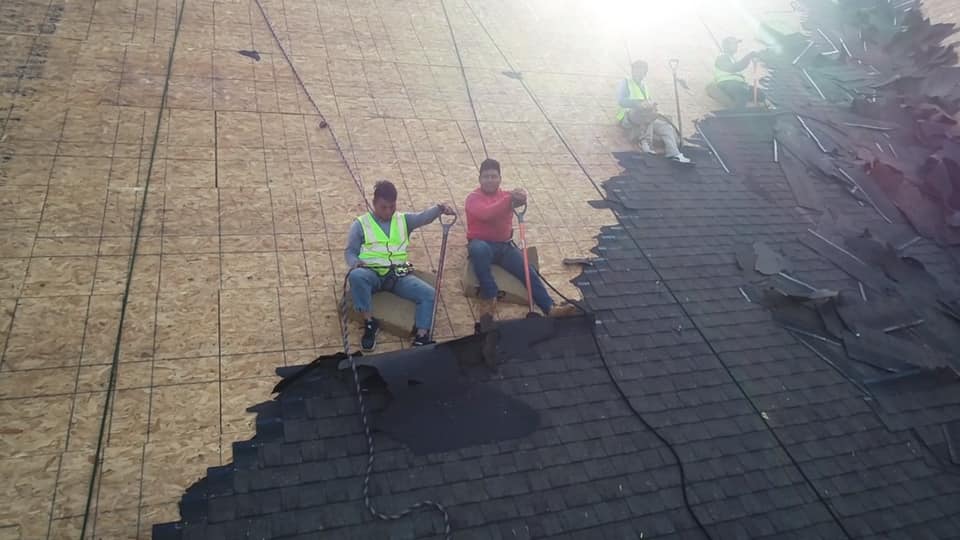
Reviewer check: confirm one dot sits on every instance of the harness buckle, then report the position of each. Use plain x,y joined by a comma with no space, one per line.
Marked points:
401,270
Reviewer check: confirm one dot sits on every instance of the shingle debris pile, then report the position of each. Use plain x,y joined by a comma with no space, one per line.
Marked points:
720,277
866,102
892,336
877,114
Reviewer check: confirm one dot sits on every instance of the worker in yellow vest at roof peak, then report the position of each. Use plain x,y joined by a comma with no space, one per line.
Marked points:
638,115
728,78
376,254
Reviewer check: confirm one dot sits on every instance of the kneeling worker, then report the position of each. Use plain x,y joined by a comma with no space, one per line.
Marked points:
728,79
376,254
639,117
489,231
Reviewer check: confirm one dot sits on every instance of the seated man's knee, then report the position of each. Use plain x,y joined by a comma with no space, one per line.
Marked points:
716,92
663,129
424,292
479,250
359,277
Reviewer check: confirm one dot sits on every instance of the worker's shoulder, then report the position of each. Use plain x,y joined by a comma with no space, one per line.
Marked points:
475,194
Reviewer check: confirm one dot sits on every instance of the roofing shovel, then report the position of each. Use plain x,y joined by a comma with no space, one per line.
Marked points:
520,212
443,256
674,65
756,83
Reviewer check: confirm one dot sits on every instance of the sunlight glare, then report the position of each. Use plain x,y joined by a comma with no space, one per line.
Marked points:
643,15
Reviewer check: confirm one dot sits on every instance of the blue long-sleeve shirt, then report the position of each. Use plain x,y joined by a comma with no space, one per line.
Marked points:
355,236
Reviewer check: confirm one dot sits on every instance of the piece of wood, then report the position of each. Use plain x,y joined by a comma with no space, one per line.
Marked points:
396,315
512,290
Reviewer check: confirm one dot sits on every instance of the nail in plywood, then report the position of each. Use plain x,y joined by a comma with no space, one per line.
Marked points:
34,425
249,321
171,420
187,324
119,484
46,332
295,318
249,270
170,466
36,382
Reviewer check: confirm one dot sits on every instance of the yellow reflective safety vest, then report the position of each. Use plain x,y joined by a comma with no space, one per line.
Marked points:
638,92
379,251
720,75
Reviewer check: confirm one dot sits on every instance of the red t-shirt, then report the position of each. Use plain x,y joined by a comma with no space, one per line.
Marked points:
489,217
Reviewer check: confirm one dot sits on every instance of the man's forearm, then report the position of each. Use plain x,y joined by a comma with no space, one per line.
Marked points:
731,66
415,221
351,253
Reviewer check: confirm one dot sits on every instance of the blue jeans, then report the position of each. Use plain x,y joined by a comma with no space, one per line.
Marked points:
364,282
485,254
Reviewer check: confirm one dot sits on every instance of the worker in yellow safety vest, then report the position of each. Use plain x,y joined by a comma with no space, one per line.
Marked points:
728,79
376,254
637,114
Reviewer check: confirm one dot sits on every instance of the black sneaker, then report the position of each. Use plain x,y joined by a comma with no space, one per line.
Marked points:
369,340
420,341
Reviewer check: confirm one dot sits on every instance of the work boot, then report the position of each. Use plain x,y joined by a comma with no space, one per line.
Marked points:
420,341
369,340
561,311
680,158
488,348
486,306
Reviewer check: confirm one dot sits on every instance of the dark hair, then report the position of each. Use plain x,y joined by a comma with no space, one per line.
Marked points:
385,190
490,164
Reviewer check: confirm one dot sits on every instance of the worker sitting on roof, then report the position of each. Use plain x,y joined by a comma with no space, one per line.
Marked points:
729,86
638,115
376,253
489,232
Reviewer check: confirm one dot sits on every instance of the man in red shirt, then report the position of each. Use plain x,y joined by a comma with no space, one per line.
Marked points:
489,241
